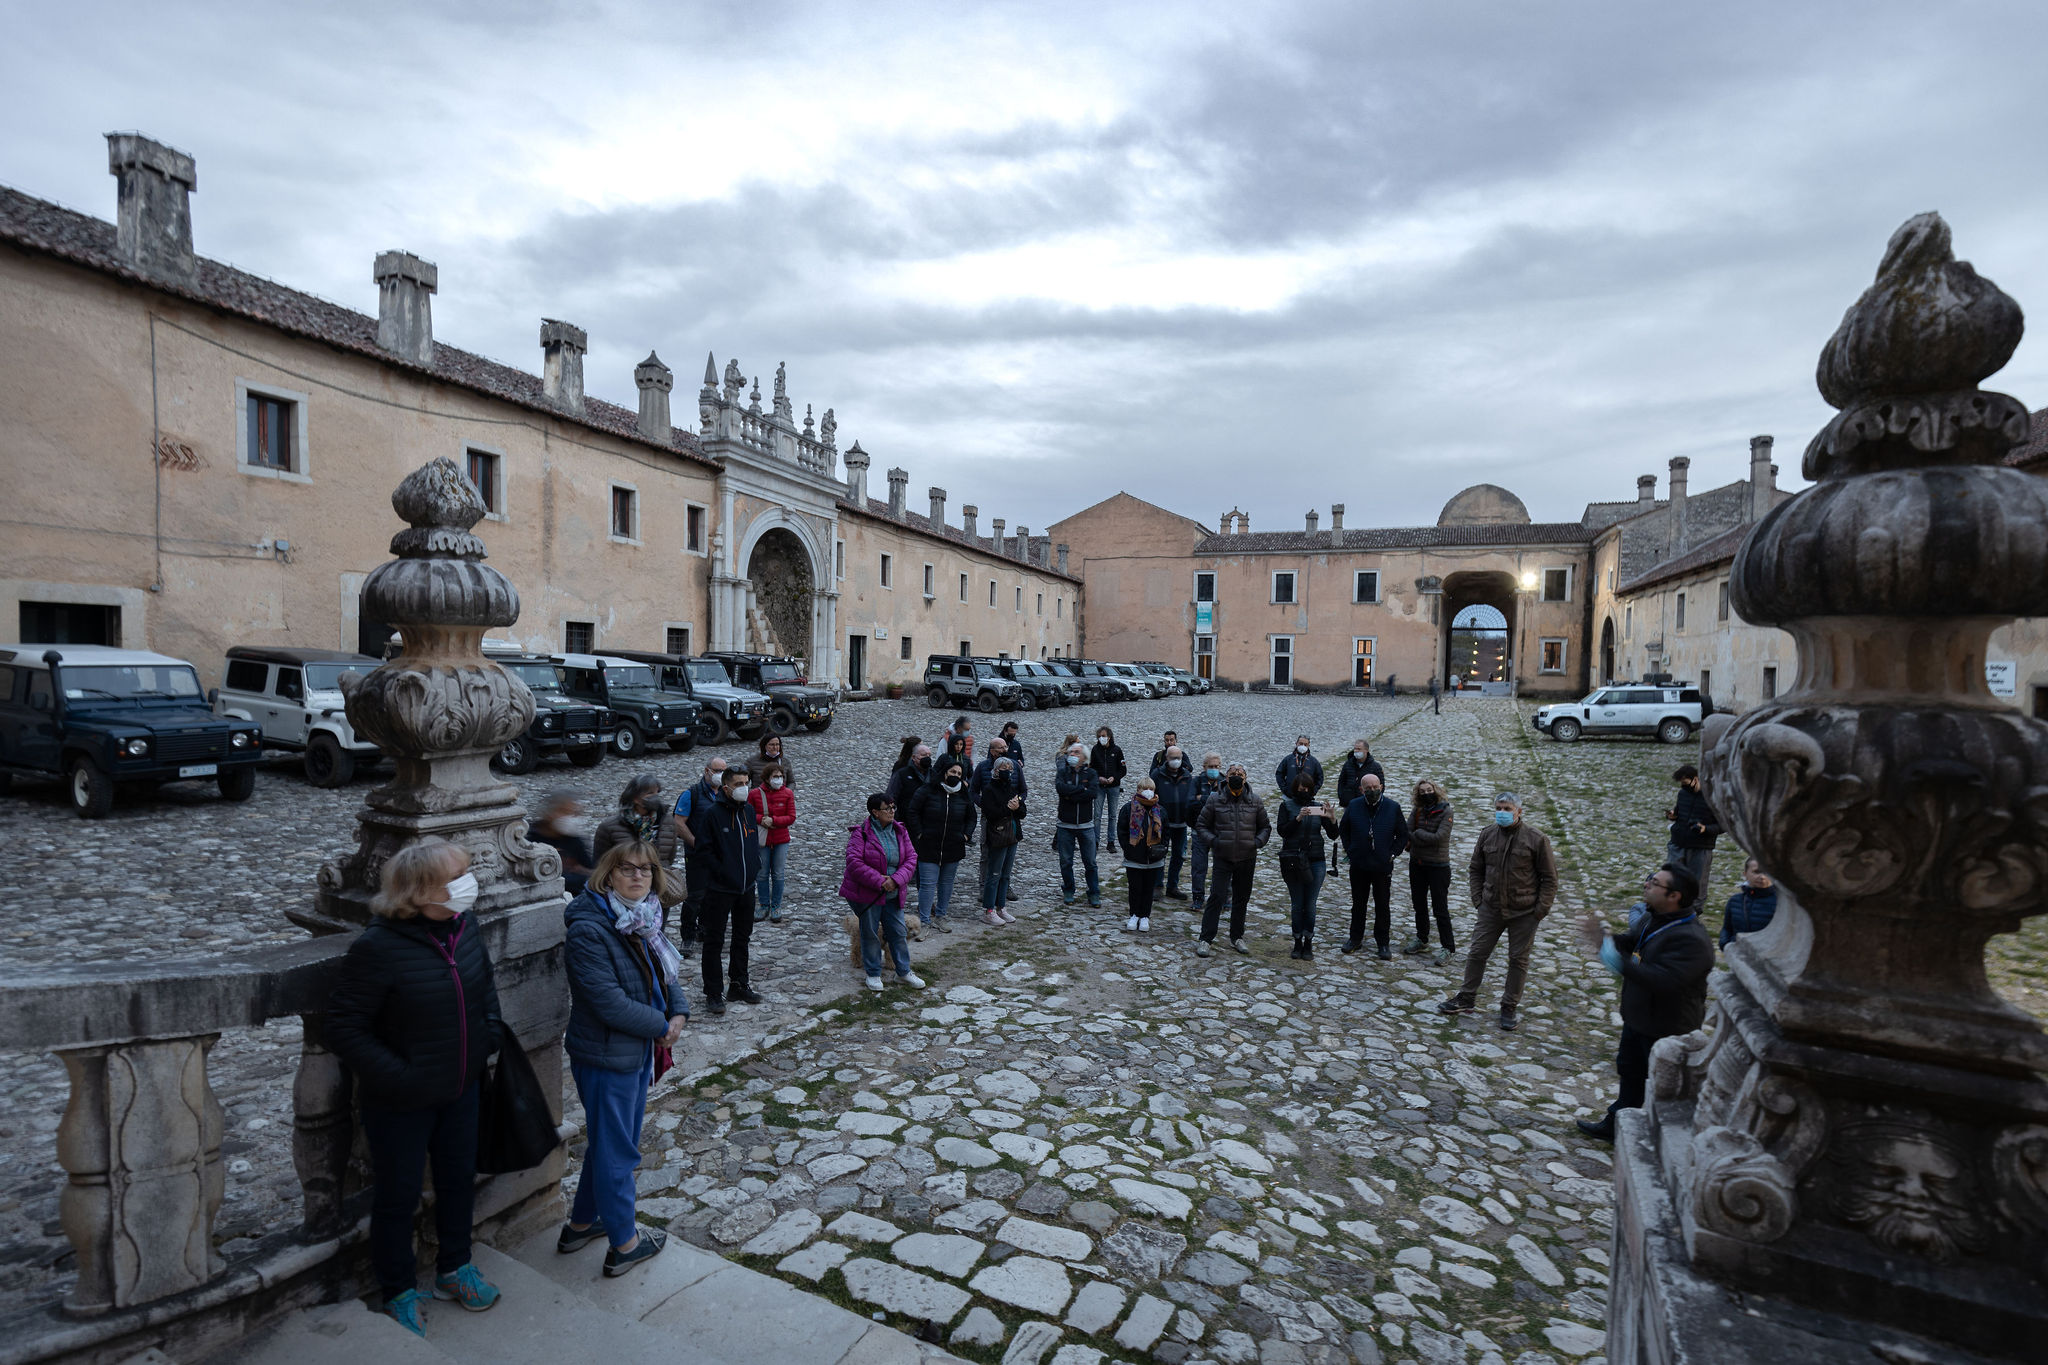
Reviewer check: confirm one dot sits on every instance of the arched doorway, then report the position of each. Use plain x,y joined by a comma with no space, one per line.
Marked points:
1479,623
1607,651
780,571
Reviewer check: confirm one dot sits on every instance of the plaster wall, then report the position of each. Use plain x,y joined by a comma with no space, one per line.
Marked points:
1136,562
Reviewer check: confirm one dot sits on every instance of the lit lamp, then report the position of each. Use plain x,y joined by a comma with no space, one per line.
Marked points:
1529,581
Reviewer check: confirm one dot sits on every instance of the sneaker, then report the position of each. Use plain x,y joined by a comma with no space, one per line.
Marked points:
572,1240
404,1309
1413,945
1067,899
760,913
1201,947
617,1263
1008,918
1386,953
1602,1131
716,1004
467,1286
939,923
1452,1006
746,995
1507,1021
1095,902
1238,944
1440,957
1131,924
1145,924
990,917
775,915
874,983
912,980
1350,948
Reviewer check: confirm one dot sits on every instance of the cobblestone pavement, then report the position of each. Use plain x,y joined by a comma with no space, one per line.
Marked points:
1076,1139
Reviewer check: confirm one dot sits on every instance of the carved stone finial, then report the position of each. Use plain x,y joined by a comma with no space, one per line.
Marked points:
755,402
710,372
807,423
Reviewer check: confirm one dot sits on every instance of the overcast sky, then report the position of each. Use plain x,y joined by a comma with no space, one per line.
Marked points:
1271,255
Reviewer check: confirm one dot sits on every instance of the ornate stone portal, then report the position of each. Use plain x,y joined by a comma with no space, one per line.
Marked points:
1853,1163
440,710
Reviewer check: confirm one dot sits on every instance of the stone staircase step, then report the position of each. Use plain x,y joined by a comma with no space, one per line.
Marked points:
540,1322
346,1333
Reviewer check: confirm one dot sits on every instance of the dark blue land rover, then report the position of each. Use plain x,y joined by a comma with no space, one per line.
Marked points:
95,716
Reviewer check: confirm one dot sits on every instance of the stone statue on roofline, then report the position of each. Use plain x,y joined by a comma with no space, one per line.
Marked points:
828,430
735,382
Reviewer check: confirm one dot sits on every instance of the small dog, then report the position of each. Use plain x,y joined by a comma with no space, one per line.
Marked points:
852,923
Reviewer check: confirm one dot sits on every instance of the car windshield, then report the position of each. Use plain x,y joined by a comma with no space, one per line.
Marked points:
121,682
986,671
327,677
1595,699
538,677
1028,671
780,673
639,676
705,671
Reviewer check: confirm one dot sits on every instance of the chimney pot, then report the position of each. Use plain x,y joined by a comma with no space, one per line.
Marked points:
996,542
1337,524
1223,524
405,305
1763,477
1646,492
1024,542
899,485
1314,519
969,514
1063,558
857,476
153,219
563,345
654,380
938,497
1679,465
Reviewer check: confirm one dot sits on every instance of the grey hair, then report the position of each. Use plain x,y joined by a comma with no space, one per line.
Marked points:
1002,766
1510,798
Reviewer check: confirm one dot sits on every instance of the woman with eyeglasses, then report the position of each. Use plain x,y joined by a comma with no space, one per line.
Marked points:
626,1010
880,862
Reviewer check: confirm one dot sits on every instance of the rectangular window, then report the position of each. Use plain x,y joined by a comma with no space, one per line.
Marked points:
1020,600
1283,586
888,580
930,581
1681,611
1610,580
1557,585
693,532
1365,585
1721,610
270,432
246,675
963,587
1282,663
903,649
1628,622
839,559
678,640
991,592
1707,683
578,636
2040,701
69,623
486,472
1770,681
1059,607
1550,658
1205,587
1361,660
966,647
625,513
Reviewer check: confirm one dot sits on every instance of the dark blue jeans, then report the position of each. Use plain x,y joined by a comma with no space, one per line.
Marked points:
1066,841
1302,890
995,887
401,1145
614,1108
1178,837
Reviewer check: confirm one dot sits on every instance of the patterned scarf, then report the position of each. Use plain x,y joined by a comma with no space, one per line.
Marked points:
643,921
1146,826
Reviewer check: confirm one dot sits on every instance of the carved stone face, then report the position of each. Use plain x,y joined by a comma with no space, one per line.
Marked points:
1908,1189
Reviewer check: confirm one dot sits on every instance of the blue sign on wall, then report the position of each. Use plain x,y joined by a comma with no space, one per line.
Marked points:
1205,618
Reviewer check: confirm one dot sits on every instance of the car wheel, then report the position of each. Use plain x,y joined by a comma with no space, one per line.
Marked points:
1674,731
92,791
327,763
589,756
710,727
935,697
628,741
1564,731
1181,689
987,701
782,721
819,727
237,784
516,756
1026,702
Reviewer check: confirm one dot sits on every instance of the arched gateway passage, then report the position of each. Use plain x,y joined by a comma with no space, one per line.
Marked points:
1607,650
1479,624
780,571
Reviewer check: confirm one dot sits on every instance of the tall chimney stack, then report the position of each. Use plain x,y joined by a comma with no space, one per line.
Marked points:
996,543
655,380
563,345
1646,493
1763,477
1023,542
1337,524
1679,464
405,305
857,476
1314,519
899,485
969,514
1223,524
153,221
938,497
1063,558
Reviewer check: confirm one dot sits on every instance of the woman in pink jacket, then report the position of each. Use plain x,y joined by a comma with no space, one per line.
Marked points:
879,863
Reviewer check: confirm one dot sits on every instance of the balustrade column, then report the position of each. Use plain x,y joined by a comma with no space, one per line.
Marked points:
323,1129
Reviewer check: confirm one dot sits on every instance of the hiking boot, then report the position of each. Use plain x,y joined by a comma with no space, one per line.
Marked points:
1440,957
1067,898
1349,948
1095,902
467,1286
1507,1020
1602,1131
716,1004
939,923
746,995
1452,1006
1413,945
775,915
572,1240
1201,947
617,1263
1386,954
404,1309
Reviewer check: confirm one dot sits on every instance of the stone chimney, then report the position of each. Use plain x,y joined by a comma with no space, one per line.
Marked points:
1063,558
969,514
1679,464
153,221
1314,519
563,345
1337,524
1763,477
938,496
405,305
655,380
899,485
1024,542
1646,493
1224,523
857,477
996,543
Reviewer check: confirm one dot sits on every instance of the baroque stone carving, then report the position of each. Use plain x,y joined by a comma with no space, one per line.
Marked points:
1740,1189
1908,1187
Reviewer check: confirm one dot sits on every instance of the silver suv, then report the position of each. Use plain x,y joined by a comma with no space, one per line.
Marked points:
953,680
1669,710
294,697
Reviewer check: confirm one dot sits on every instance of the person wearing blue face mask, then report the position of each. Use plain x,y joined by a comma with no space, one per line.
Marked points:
1079,789
1513,877
1208,782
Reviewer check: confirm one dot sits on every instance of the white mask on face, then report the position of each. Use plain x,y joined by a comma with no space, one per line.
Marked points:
1301,748
775,783
1173,763
461,893
739,793
1358,754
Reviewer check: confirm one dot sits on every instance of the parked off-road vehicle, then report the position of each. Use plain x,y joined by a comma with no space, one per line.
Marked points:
1669,710
793,702
1043,688
724,709
95,716
1067,671
294,696
1183,681
1115,686
962,681
578,730
631,692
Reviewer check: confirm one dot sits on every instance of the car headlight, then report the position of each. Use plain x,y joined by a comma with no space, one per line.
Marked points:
551,722
136,748
242,739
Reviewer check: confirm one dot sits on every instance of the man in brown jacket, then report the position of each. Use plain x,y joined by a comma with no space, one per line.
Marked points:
1514,880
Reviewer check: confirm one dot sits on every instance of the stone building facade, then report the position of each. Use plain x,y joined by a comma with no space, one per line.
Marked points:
196,457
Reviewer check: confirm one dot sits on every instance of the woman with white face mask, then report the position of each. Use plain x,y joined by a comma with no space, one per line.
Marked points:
775,807
414,1014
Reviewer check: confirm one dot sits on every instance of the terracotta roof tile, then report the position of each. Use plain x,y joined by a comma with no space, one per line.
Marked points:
1396,538
918,522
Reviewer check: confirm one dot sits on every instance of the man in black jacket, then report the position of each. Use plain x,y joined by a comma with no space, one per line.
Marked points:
725,839
940,818
1663,967
1357,764
1375,833
1302,759
1179,805
1169,741
1694,827
1079,788
693,798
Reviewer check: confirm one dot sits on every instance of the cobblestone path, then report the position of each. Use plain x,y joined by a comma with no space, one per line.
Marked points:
1077,1144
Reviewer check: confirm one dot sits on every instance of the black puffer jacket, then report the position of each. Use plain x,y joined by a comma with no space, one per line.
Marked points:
1689,809
1352,774
941,822
1235,826
414,1026
728,852
1108,761
1177,794
1310,838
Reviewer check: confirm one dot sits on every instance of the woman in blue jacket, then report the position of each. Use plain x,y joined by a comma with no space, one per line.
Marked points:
626,1008
1753,907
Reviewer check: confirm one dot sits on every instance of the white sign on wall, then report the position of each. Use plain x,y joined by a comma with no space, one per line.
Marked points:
881,632
2003,675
